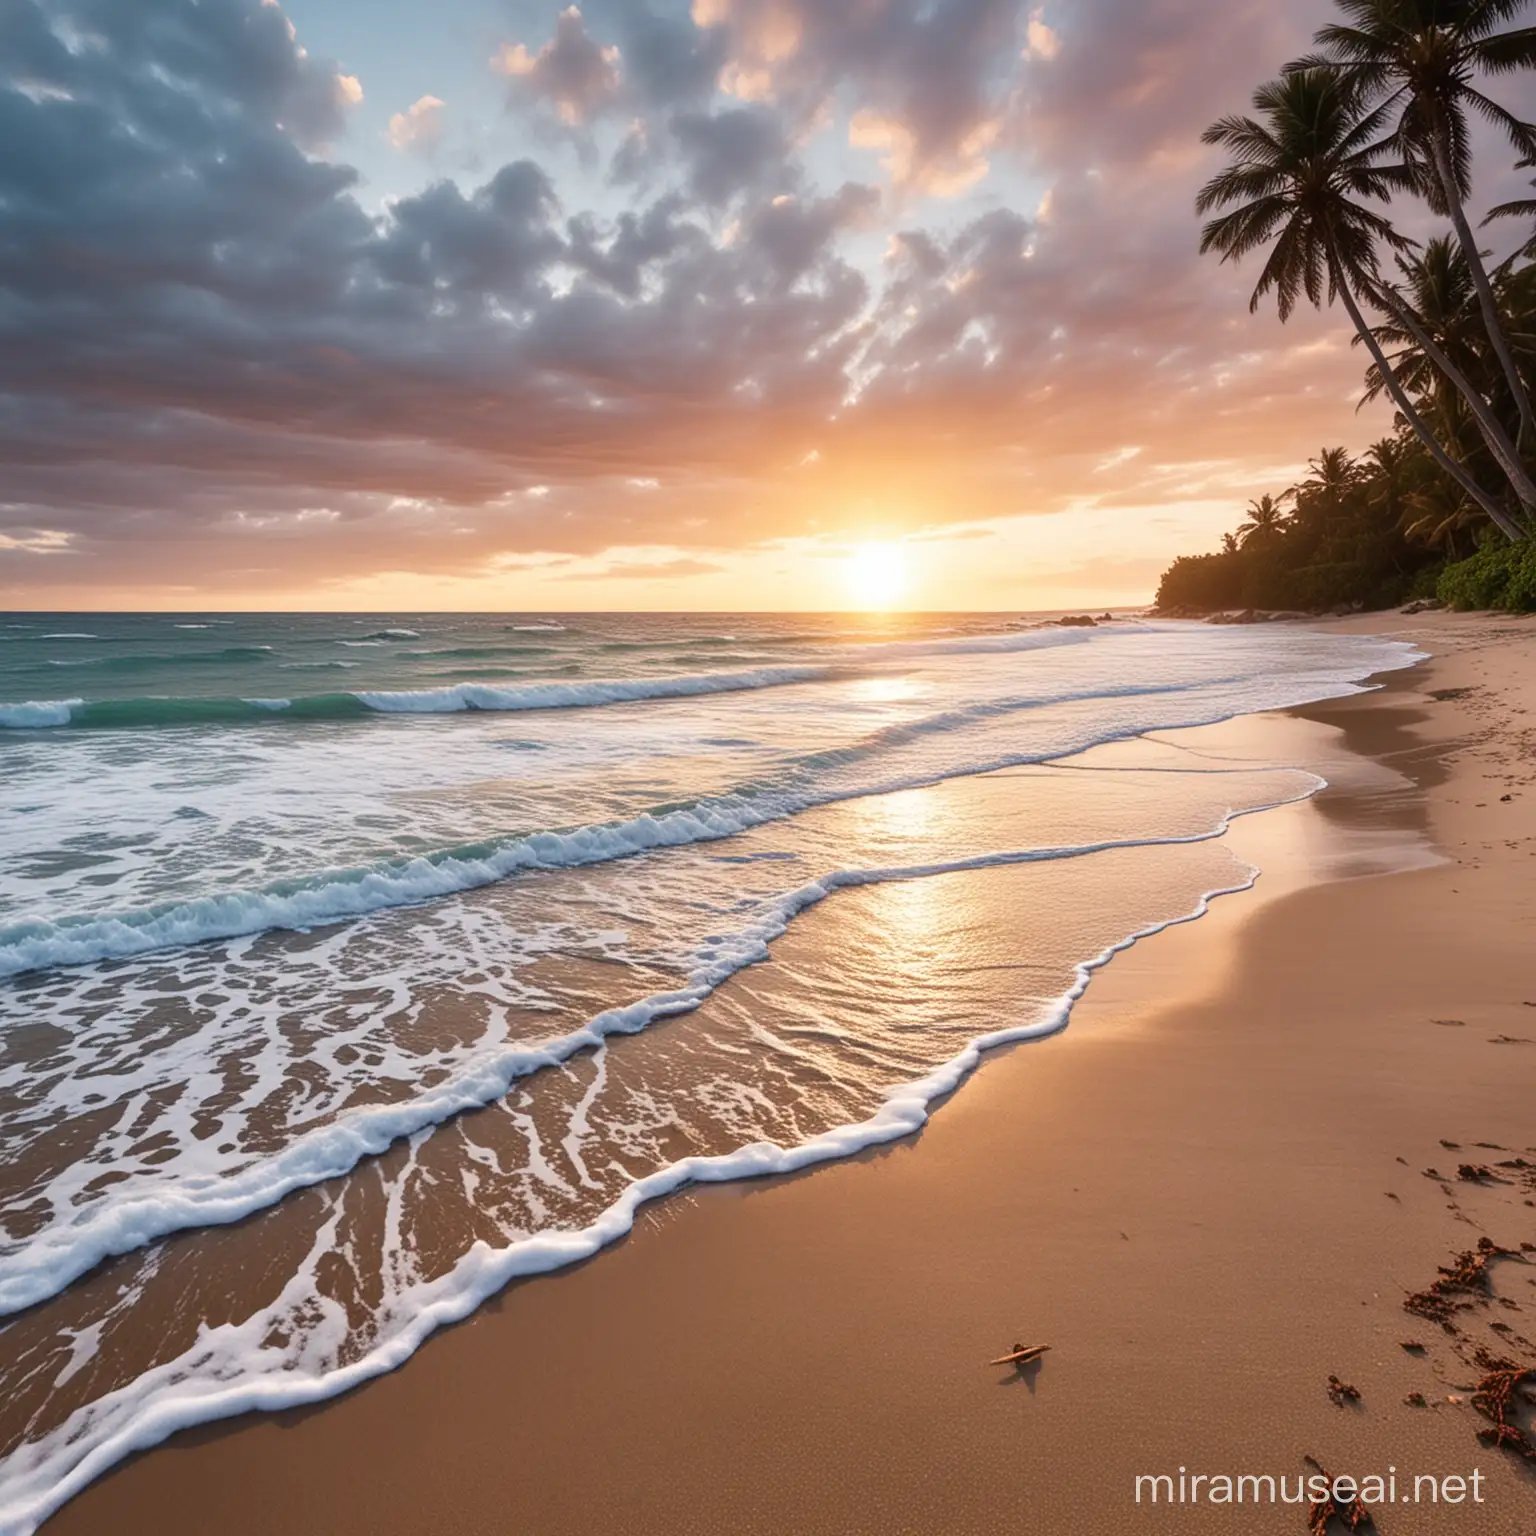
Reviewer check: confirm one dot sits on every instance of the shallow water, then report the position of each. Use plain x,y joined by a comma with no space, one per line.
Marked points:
444,978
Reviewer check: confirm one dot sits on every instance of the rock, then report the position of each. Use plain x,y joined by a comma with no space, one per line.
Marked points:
1078,621
1257,616
1424,605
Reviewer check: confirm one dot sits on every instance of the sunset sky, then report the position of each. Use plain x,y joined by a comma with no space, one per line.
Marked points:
483,304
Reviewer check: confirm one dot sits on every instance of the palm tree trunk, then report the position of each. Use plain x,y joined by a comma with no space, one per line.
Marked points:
1485,298
1493,432
1456,471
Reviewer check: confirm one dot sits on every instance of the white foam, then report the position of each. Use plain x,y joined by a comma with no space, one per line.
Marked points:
237,1368
38,715
59,1255
437,701
335,894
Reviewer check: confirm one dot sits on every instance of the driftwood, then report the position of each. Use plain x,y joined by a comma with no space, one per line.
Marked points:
1021,1355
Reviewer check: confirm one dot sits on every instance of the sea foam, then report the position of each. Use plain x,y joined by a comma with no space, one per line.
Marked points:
237,1368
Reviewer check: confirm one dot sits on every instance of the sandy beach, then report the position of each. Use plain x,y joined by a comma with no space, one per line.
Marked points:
1211,1192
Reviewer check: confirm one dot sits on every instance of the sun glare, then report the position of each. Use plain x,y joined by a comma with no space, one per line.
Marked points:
877,574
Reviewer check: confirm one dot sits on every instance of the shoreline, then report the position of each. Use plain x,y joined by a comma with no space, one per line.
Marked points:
540,1369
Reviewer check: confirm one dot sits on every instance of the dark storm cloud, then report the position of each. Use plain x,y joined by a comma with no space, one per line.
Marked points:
215,364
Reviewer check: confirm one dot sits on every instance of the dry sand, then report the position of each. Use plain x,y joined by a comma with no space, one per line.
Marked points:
1207,1195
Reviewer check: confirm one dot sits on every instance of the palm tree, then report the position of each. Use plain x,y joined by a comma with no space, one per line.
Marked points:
1390,465
1435,325
1264,520
1334,475
1230,544
1437,287
1421,57
1435,515
1297,179
1521,208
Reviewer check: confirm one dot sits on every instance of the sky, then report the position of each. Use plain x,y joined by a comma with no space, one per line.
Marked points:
663,304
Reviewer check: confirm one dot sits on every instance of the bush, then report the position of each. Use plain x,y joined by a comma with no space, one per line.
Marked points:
1426,584
1502,577
1203,582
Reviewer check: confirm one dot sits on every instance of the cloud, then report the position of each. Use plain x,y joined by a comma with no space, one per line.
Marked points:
646,570
944,175
216,362
930,82
572,72
420,126
1040,41
35,541
732,151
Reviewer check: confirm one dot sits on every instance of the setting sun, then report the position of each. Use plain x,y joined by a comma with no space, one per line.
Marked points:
877,574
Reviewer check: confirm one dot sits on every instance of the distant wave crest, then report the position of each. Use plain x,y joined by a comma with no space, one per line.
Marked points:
128,713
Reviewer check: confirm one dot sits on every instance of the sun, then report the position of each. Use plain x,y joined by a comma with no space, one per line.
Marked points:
876,574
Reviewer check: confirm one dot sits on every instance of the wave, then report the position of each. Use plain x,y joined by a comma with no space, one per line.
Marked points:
42,1266
69,635
229,654
125,714
230,1370
585,695
393,634
462,697
337,894
481,652
31,717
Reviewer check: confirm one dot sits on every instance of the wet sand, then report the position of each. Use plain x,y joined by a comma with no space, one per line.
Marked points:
1206,1194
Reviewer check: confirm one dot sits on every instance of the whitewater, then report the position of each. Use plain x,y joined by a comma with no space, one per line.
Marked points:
325,1012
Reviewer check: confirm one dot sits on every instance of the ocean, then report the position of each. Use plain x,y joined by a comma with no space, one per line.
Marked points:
353,966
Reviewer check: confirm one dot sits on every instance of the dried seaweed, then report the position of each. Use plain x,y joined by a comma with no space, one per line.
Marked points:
1341,1392
1467,1275
1353,1515
1495,1400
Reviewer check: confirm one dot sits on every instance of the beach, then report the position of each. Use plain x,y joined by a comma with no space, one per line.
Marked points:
1210,1192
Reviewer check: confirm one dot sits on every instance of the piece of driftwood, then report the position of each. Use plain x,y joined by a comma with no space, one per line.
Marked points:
1021,1354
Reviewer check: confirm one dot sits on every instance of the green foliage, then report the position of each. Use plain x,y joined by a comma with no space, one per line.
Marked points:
1501,576
1380,111
1201,583
1344,544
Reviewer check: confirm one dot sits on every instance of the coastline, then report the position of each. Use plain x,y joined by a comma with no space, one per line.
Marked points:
1183,1193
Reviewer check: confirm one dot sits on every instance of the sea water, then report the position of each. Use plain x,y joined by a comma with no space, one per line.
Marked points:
353,966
